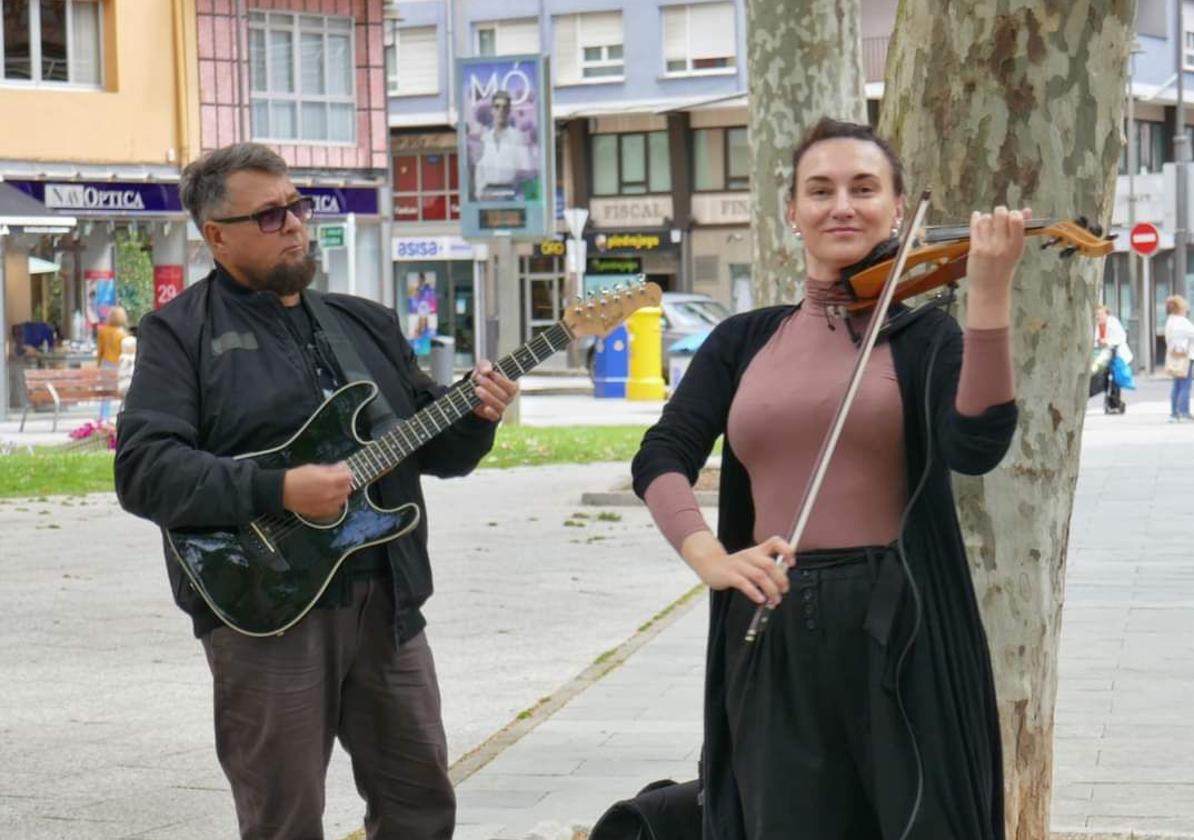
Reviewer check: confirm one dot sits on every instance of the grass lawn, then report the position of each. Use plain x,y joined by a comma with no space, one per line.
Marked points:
50,471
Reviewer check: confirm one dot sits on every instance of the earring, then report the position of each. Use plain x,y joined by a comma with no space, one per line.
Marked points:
796,232
895,228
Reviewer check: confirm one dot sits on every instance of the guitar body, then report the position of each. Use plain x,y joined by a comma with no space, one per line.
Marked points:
262,578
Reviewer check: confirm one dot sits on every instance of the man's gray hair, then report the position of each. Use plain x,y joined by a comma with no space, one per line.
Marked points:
203,185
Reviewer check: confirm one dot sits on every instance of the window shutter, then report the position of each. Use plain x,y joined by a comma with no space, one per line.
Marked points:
711,32
675,34
518,36
418,61
600,29
565,53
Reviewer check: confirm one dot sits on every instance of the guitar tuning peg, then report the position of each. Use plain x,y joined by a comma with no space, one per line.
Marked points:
1049,243
1068,252
1097,230
1081,220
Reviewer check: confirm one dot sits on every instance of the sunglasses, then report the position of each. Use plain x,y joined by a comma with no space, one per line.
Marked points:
272,219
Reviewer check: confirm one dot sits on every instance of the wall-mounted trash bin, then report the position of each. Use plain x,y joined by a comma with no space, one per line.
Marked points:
611,364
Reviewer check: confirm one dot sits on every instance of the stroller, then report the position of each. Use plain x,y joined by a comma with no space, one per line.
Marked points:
1102,380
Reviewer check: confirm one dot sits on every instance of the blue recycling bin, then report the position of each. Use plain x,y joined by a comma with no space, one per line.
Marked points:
611,364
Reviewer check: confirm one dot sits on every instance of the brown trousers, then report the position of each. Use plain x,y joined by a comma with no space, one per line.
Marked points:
281,701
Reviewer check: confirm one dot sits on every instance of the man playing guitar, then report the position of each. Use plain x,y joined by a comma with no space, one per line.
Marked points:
237,363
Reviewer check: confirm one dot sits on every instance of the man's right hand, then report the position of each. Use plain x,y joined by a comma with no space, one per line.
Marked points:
317,491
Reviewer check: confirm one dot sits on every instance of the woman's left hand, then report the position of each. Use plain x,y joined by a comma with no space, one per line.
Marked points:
996,246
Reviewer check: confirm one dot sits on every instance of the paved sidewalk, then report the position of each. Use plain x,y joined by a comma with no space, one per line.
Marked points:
1123,733
105,700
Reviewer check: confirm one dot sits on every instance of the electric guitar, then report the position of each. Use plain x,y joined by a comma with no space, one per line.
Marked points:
262,577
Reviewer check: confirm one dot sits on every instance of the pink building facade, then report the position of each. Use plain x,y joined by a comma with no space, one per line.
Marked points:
307,77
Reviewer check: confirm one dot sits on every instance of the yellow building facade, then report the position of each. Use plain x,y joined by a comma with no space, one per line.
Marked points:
99,109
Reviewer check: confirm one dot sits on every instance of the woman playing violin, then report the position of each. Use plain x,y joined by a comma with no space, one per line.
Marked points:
867,710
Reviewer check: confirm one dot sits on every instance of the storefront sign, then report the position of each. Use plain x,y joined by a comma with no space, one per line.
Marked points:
721,208
341,202
412,248
614,265
627,241
167,283
439,142
649,211
331,236
103,197
550,248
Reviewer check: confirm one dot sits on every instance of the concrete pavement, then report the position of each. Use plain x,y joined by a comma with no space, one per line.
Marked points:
105,700
1123,736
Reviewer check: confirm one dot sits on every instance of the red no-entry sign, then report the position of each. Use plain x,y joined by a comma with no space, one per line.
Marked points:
1145,239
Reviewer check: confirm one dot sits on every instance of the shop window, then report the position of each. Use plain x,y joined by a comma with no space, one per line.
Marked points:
720,159
426,187
51,42
302,78
631,164
699,39
588,47
416,50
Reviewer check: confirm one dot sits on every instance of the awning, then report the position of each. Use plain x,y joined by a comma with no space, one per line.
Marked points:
19,210
39,266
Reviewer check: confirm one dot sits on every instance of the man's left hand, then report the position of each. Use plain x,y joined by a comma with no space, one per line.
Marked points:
494,390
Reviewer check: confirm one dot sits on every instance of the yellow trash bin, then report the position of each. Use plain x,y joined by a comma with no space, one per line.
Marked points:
646,355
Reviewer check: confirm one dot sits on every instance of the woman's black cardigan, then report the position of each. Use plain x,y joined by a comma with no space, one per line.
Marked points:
946,683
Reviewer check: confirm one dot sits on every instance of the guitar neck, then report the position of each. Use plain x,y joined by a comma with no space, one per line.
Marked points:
383,454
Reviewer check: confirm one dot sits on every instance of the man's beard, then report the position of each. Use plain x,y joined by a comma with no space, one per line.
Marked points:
286,278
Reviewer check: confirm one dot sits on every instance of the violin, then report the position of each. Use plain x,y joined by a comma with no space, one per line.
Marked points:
940,259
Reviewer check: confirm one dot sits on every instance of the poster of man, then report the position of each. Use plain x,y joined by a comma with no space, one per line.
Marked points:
502,114
422,310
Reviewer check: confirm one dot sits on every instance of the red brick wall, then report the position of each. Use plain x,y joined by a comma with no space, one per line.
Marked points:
224,115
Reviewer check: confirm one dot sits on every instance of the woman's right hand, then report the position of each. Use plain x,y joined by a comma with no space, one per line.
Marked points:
751,571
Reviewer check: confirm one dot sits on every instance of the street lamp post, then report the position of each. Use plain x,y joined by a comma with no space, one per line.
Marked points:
1181,154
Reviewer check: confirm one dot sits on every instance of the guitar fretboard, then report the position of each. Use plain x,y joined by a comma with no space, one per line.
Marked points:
380,456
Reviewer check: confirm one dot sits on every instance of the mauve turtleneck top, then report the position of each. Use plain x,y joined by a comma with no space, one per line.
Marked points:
781,413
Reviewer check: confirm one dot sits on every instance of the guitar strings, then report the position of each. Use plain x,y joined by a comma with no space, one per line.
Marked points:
278,526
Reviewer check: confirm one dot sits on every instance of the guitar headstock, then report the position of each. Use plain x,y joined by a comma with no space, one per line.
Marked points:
598,314
1078,236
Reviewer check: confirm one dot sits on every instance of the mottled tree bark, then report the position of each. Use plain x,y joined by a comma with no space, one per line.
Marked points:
805,62
1020,103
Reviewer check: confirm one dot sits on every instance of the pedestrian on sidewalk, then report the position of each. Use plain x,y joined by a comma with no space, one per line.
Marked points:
1179,339
238,363
867,709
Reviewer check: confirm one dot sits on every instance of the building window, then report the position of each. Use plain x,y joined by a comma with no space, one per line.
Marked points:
631,164
699,38
588,47
301,77
720,159
426,187
412,62
1150,148
51,42
508,37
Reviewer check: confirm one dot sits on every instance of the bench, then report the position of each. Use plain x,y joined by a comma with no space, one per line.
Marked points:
67,386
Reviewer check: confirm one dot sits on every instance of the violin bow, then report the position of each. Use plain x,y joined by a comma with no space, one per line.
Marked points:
829,444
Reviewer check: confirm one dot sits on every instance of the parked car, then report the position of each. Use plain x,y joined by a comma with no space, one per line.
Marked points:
684,314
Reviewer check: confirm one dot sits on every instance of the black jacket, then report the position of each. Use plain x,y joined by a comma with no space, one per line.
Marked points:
947,684
219,373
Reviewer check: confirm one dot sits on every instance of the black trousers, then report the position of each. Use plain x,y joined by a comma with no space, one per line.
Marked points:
281,702
820,750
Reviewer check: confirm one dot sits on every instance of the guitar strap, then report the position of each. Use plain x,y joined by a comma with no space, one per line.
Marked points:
381,415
